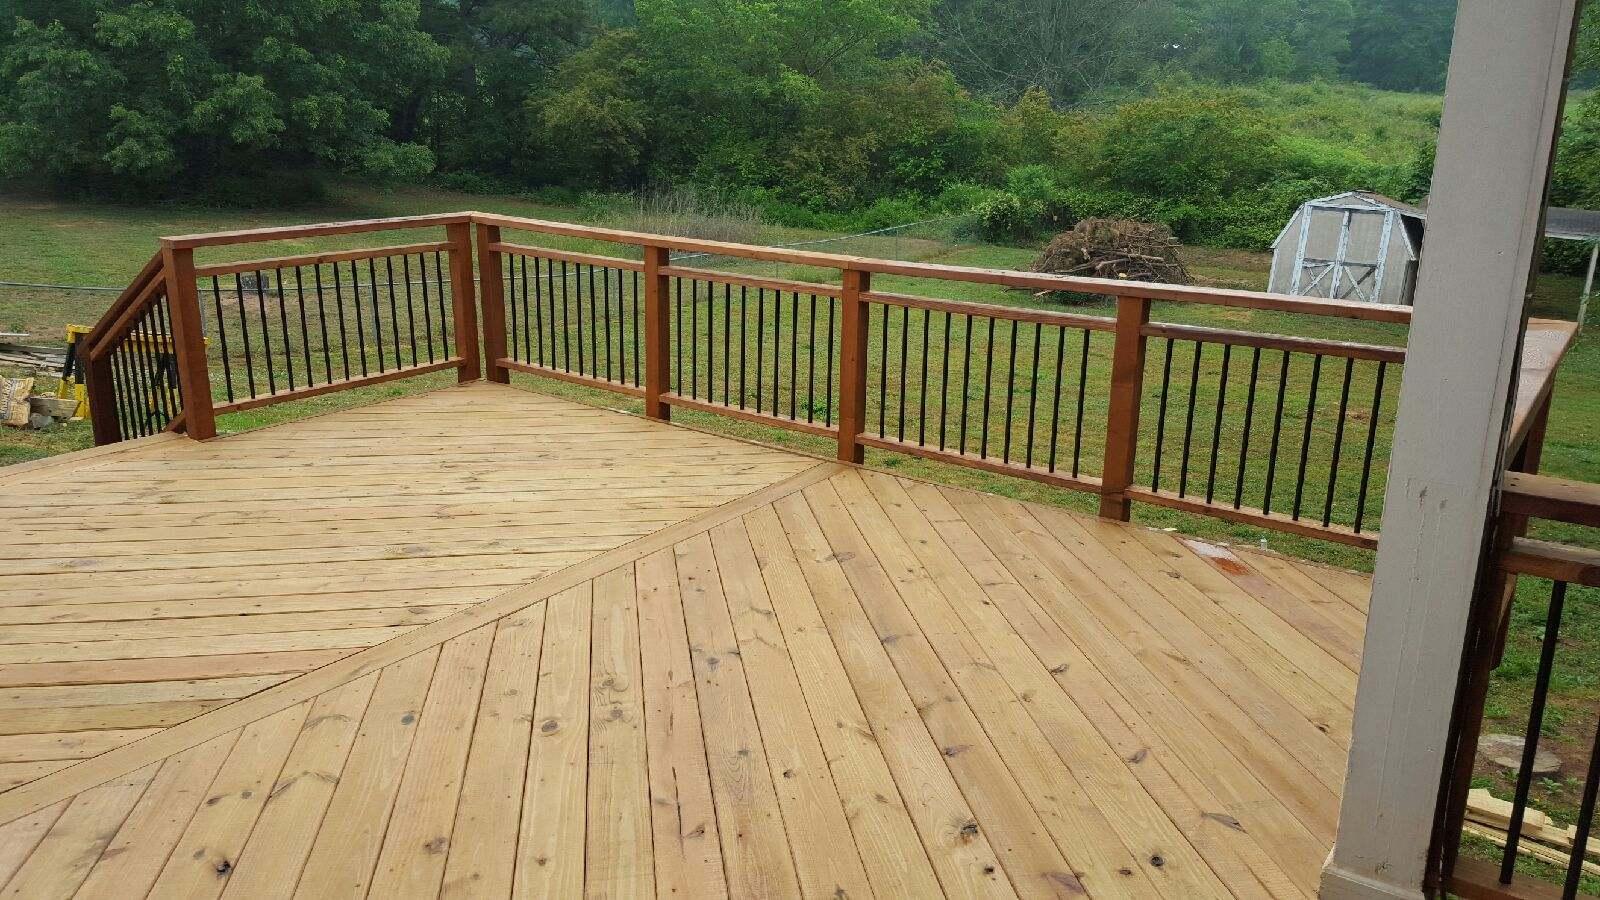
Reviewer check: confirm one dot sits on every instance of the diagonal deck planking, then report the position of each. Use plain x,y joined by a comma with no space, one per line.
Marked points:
158,581
841,683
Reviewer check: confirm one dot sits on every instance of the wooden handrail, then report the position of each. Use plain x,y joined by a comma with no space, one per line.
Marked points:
1288,343
1036,281
316,259
1547,497
1557,562
324,229
1544,346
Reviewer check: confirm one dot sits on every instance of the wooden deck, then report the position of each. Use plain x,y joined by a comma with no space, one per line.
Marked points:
485,642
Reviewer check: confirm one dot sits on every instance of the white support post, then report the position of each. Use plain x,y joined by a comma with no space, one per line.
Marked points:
1588,285
1501,117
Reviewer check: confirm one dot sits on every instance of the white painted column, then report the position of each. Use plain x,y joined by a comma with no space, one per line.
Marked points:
1501,113
1588,285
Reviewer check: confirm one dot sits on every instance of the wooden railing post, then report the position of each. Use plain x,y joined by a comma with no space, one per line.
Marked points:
494,305
466,305
657,334
188,337
1122,419
852,364
102,392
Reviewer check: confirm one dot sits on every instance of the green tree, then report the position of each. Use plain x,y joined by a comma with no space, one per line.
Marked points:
1401,45
1245,40
158,93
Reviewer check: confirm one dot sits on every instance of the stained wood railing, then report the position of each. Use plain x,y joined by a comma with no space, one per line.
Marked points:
1518,560
1284,432
188,342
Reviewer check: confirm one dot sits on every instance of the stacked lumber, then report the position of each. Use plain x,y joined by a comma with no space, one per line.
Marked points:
1489,817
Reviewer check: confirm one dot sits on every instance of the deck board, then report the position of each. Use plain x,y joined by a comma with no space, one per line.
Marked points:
817,682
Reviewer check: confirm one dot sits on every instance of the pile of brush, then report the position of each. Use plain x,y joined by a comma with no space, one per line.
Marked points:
1115,248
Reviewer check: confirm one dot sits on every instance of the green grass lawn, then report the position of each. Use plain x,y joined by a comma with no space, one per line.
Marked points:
68,243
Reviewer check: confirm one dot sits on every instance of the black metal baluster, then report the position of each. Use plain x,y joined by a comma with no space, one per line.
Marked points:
578,289
338,307
119,392
694,339
1188,424
266,339
605,314
355,298
1033,393
518,327
922,384
322,324
1249,415
427,313
833,304
1011,390
988,383
566,324
305,332
1055,396
444,318
1372,441
622,327
883,372
637,350
594,327
377,313
532,316
411,311
166,361
1305,442
1216,426
761,342
283,321
1277,430
394,315
711,341
1580,837
222,337
811,362
727,343
1338,442
794,351
905,363
1530,743
777,357
966,372
143,376
1083,388
538,312
744,338
172,358
944,381
1161,416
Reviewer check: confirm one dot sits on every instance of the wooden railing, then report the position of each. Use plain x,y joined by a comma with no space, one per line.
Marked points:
1283,432
1518,559
188,342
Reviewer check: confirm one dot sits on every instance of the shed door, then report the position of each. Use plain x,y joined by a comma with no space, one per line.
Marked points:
1341,252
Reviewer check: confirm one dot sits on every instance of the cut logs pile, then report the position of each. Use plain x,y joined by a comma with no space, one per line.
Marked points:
1488,817
20,406
1115,248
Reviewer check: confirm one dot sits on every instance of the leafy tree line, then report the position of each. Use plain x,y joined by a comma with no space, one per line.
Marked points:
1211,115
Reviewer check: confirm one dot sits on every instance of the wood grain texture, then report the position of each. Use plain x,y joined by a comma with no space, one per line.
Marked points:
844,683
